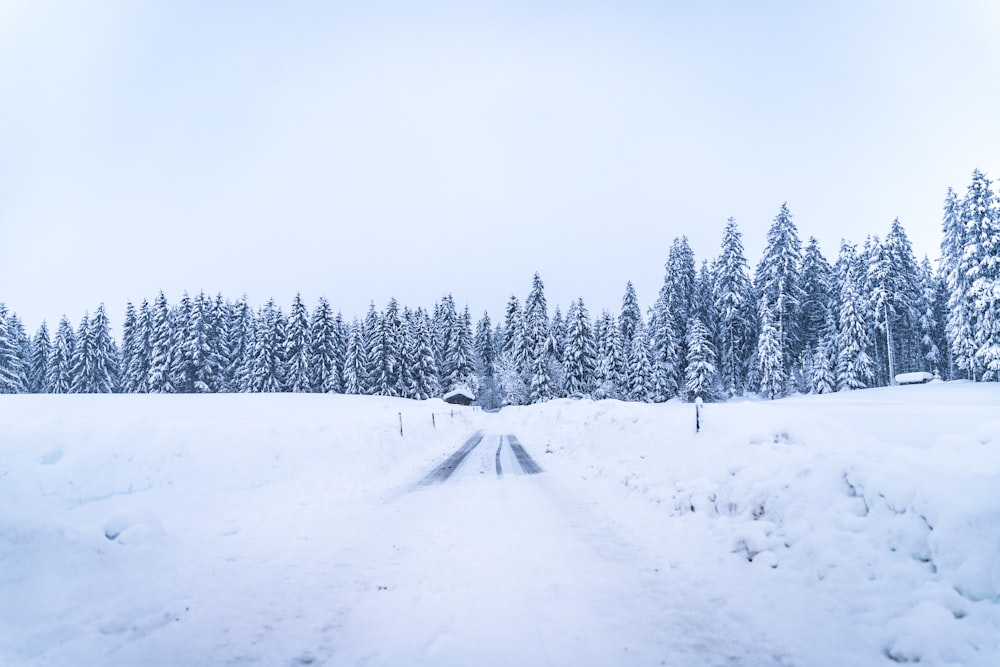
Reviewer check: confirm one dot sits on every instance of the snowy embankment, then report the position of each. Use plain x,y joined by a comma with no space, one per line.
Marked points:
856,525
855,528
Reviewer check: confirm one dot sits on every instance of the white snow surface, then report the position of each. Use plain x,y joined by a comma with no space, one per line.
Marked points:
858,528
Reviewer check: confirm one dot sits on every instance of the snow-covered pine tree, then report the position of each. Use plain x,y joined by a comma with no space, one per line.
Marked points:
700,376
770,365
536,334
325,375
954,266
892,275
423,372
818,283
610,376
298,343
240,333
666,353
677,293
181,364
95,357
128,349
442,327
513,336
356,361
855,368
372,330
60,377
38,367
823,379
205,364
83,355
460,364
12,371
734,304
927,321
23,345
485,352
266,364
579,353
981,262
630,319
778,281
640,373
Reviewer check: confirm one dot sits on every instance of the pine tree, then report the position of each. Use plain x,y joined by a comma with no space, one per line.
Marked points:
823,379
959,327
770,366
22,343
83,355
325,372
630,320
266,364
423,372
485,352
855,368
817,294
129,349
38,369
611,374
677,293
181,362
95,357
580,355
536,334
778,281
204,361
734,304
459,356
666,354
981,262
12,372
298,344
640,374
60,378
700,375
356,362
240,334
929,325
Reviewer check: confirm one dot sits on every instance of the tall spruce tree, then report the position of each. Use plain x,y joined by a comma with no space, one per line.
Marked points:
325,374
38,367
855,368
12,372
60,377
778,281
700,374
298,344
735,306
579,353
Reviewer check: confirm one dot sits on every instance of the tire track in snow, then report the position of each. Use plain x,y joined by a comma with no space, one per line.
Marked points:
527,463
499,469
441,474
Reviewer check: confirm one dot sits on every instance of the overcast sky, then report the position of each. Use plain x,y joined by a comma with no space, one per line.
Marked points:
367,150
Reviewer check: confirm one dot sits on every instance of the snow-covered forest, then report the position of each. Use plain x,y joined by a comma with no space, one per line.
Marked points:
798,323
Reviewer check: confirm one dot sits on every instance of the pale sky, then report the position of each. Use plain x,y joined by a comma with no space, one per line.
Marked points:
375,149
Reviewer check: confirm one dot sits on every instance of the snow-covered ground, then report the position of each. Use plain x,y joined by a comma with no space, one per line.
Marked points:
851,529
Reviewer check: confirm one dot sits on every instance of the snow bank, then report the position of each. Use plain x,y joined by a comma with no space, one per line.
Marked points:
867,523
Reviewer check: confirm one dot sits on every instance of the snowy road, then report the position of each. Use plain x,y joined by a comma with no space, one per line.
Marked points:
500,566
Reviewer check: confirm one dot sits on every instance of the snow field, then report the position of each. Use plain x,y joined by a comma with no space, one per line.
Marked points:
855,528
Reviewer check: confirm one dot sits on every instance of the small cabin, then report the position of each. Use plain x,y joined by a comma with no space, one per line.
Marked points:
914,378
459,396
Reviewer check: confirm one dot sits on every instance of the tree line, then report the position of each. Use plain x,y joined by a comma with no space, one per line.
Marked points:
796,324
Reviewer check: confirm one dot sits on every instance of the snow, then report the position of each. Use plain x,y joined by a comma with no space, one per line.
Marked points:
918,377
852,528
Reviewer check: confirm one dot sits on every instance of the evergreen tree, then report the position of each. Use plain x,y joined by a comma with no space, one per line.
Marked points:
60,377
536,334
855,369
200,351
666,353
95,357
779,283
240,330
266,364
818,283
640,374
734,304
83,356
677,293
823,379
580,355
356,362
960,324
610,377
485,352
423,372
298,344
770,366
929,325
460,368
700,374
12,371
38,368
325,372
981,262
630,320
892,275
